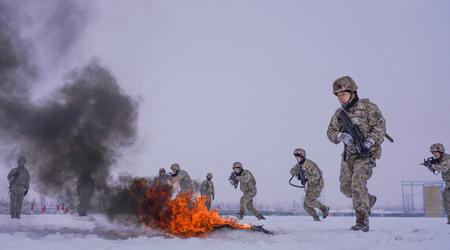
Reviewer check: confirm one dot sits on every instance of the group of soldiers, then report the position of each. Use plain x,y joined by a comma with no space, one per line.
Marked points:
242,176
358,124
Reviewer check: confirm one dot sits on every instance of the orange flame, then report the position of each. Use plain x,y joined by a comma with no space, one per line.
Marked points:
190,217
183,216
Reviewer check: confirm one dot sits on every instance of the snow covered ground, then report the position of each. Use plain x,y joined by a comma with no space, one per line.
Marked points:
95,232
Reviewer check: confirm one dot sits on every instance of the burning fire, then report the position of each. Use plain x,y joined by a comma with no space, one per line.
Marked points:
190,217
183,216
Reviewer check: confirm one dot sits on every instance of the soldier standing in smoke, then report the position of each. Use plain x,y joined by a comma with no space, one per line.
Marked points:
247,185
207,190
163,178
314,185
85,190
441,163
364,119
19,183
182,177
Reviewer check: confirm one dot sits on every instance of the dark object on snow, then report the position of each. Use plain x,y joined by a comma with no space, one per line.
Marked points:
260,228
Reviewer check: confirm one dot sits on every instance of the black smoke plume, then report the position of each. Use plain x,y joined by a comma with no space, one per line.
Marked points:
73,137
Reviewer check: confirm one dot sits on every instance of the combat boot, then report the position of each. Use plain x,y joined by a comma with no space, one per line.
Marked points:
240,215
372,201
260,217
17,216
448,219
362,223
316,218
325,211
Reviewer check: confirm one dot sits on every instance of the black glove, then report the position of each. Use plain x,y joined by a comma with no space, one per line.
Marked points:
26,192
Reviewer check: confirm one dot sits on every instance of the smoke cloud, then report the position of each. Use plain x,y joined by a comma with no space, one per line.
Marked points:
72,138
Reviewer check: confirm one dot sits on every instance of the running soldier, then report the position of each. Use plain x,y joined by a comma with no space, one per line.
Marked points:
207,190
441,163
313,176
247,185
182,177
360,125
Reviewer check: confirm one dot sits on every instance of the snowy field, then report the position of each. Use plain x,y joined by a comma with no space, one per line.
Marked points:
94,232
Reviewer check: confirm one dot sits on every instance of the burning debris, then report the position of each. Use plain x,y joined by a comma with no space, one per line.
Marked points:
183,215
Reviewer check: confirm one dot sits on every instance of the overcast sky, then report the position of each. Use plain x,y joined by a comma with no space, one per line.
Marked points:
249,81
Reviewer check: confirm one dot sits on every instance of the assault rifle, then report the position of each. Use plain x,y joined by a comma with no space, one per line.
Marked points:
300,176
358,138
430,162
353,130
233,180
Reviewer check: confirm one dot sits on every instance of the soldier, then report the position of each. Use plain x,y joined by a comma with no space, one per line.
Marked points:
19,183
356,168
443,165
314,186
162,172
207,189
182,177
163,178
247,184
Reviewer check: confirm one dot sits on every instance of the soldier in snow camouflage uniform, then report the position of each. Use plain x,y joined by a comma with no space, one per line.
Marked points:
443,166
247,185
356,170
19,183
314,185
182,177
162,179
207,189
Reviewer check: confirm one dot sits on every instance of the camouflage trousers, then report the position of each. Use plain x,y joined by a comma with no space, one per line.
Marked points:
446,199
312,193
247,203
353,178
16,198
207,201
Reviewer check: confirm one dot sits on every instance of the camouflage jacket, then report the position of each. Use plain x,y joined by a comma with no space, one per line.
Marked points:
185,181
312,172
367,116
247,182
207,188
19,176
444,167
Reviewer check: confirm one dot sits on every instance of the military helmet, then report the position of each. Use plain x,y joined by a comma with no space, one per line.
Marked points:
22,159
162,170
437,147
300,151
209,176
175,167
345,83
237,165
